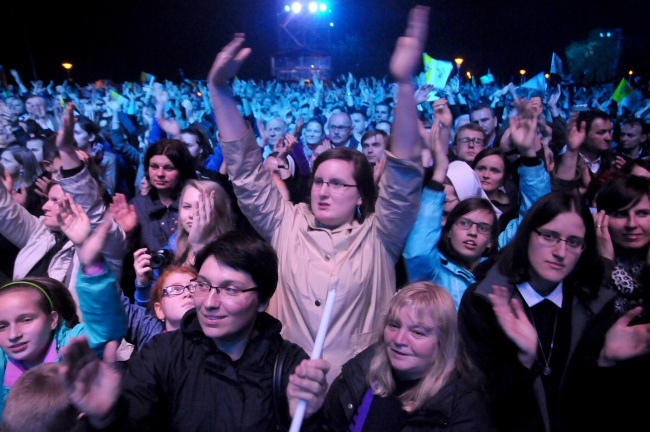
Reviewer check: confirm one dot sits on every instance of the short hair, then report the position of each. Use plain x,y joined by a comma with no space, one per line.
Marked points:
590,116
178,154
483,105
622,192
38,402
362,174
386,104
585,278
223,215
50,151
248,254
360,112
156,293
423,298
373,132
469,126
463,207
635,121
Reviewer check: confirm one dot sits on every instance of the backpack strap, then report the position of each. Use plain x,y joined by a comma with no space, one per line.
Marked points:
278,392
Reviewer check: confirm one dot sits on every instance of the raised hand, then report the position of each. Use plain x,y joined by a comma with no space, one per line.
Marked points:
73,220
124,214
422,93
577,132
228,61
90,251
408,50
515,324
624,341
308,383
603,238
378,169
93,386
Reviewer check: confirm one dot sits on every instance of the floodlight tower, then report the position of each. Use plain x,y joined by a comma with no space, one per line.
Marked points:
304,28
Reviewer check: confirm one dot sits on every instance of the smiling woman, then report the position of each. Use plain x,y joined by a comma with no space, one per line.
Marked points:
347,237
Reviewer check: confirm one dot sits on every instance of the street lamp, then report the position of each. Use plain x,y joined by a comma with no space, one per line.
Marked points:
459,61
523,74
67,66
631,73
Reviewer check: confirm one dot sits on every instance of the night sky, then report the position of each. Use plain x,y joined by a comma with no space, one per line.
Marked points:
117,39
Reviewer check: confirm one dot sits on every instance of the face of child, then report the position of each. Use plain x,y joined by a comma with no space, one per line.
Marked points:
171,308
25,329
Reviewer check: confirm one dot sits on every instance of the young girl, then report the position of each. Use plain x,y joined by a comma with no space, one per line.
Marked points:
445,249
205,213
171,296
414,377
38,317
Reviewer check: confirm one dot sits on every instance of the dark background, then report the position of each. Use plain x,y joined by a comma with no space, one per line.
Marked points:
117,39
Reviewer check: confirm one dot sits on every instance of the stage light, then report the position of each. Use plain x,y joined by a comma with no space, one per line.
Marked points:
296,7
322,7
331,24
287,8
313,7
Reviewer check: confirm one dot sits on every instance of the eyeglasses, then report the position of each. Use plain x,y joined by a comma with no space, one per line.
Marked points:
175,290
334,185
551,238
482,227
203,289
339,128
476,141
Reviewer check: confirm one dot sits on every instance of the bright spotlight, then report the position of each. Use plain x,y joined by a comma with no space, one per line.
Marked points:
313,7
296,7
609,34
331,24
322,7
287,8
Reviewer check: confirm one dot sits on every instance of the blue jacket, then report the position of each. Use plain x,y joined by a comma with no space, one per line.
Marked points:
424,262
104,318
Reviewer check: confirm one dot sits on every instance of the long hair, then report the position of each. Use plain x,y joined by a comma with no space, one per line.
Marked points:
362,174
622,192
180,157
25,157
48,289
422,299
585,278
202,140
222,222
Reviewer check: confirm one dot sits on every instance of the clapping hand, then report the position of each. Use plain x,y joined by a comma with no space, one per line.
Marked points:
73,220
203,220
228,61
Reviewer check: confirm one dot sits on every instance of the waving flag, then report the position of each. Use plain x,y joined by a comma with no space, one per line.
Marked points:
623,90
436,72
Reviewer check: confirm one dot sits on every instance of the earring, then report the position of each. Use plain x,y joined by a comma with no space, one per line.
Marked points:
359,214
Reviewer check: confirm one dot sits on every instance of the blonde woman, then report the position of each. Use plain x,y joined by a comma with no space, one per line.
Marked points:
414,377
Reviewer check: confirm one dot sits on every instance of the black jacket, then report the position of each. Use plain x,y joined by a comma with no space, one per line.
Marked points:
458,407
587,394
180,381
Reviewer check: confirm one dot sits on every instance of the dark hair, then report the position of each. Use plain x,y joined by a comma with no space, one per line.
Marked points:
463,207
622,192
510,176
629,166
356,111
50,151
373,132
514,263
203,142
483,105
90,126
386,104
635,121
25,157
180,157
248,254
591,115
362,174
60,295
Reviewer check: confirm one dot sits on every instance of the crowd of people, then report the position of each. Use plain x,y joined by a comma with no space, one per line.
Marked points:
171,251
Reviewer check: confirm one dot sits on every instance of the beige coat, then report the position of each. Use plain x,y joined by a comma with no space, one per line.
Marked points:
34,239
359,259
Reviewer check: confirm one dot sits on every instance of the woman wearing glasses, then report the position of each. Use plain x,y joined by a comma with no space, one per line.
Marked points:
346,237
543,333
450,236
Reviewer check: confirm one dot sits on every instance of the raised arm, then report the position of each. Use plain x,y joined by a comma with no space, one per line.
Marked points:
65,142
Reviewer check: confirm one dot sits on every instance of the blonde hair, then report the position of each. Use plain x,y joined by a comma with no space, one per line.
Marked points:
223,220
424,299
